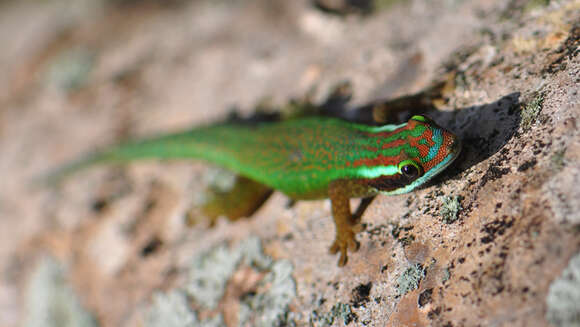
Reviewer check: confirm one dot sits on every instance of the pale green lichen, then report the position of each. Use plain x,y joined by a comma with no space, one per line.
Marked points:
220,179
71,69
445,275
558,159
171,310
410,279
531,111
51,301
450,209
563,300
216,180
339,312
270,308
211,271
209,274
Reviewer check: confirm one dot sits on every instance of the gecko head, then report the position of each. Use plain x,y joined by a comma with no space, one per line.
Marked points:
424,149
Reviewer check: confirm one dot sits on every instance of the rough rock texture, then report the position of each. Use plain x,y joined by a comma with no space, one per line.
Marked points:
488,243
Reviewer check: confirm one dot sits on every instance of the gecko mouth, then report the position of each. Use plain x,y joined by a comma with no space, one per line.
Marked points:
455,151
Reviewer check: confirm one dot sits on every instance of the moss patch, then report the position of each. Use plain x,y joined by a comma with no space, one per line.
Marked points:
450,209
531,111
339,312
410,279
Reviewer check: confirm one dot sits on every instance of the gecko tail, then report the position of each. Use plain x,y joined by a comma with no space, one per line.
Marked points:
57,176
216,144
161,147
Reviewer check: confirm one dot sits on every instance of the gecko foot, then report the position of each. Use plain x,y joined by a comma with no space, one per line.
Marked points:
345,241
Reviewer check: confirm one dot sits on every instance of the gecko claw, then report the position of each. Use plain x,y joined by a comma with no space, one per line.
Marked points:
343,243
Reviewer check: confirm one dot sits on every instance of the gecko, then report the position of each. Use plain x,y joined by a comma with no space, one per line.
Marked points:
306,158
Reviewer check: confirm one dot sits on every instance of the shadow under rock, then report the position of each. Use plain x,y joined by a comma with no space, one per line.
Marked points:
484,129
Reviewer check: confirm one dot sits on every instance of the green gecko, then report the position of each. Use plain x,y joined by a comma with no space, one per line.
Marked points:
308,158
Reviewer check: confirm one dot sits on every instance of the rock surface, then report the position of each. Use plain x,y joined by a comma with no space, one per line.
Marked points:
488,243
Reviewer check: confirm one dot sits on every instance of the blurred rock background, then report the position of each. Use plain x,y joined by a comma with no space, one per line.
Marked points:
494,241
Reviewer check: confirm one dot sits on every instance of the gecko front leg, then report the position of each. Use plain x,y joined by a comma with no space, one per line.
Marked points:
346,225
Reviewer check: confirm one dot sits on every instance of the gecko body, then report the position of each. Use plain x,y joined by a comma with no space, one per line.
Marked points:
308,158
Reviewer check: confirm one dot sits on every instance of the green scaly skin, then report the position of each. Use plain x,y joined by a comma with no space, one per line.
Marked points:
309,158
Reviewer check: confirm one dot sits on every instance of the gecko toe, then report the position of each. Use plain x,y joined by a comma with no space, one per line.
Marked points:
353,245
342,259
340,246
334,248
343,244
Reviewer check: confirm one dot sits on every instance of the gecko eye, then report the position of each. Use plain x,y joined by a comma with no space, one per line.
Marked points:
409,169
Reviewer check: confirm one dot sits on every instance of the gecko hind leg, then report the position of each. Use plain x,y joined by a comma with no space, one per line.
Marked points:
242,199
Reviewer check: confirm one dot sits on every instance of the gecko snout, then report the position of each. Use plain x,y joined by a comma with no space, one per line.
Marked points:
455,145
